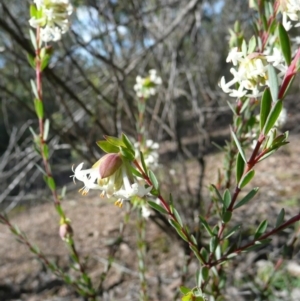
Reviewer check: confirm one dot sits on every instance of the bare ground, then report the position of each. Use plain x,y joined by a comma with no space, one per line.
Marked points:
96,224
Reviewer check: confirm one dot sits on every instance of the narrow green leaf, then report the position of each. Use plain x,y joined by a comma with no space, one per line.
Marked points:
213,243
177,227
114,141
184,290
51,183
46,129
128,143
273,82
240,166
265,107
238,146
127,153
261,229
34,89
217,192
143,163
285,44
39,108
206,226
258,245
33,39
107,147
45,61
46,151
31,60
60,211
246,178
231,108
153,179
226,198
196,252
231,231
135,172
204,253
252,45
178,218
247,198
280,218
273,116
157,207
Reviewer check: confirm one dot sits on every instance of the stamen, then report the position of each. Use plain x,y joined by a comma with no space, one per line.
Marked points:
119,203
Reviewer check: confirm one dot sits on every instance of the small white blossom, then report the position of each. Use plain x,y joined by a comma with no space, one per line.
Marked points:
53,20
290,12
145,87
119,185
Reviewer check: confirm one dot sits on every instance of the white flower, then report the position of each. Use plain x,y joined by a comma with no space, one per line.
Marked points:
146,212
53,20
290,10
118,184
145,87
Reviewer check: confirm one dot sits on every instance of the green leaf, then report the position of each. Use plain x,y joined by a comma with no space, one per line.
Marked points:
114,141
226,198
128,143
196,252
126,153
231,232
247,198
285,44
273,116
280,218
177,227
259,244
178,218
204,273
157,207
213,243
252,45
33,39
46,151
46,129
143,163
226,216
240,166
217,192
184,290
34,89
31,60
206,226
265,107
153,179
60,211
107,147
246,178
50,182
45,61
238,146
261,229
273,82
135,172
39,108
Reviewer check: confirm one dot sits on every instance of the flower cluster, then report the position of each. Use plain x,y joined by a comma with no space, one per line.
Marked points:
290,12
250,75
145,87
251,72
53,18
110,175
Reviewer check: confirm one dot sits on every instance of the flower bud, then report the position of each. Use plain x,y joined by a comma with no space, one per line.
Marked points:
65,231
108,165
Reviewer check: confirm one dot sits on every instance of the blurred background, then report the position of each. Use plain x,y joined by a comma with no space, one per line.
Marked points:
88,93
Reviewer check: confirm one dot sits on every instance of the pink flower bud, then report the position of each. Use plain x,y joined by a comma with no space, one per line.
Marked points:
65,231
109,164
